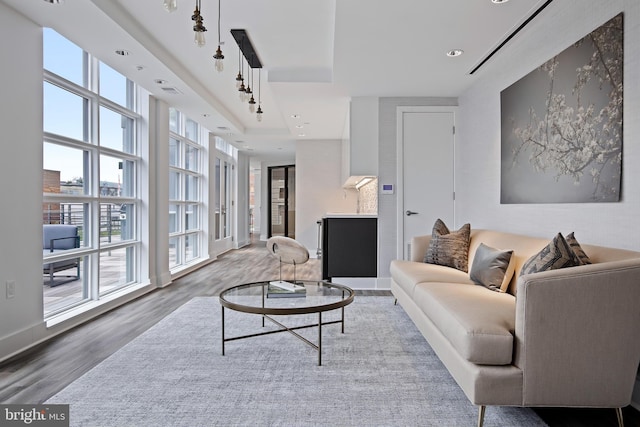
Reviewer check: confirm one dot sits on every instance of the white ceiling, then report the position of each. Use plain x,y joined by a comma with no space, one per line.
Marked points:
316,55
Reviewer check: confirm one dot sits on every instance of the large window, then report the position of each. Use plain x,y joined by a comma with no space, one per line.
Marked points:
90,178
186,156
225,161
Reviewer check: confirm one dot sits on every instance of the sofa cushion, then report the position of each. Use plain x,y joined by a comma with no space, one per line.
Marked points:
478,323
557,254
407,274
449,248
492,268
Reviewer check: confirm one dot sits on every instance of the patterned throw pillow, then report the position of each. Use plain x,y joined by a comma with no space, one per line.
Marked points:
557,254
449,248
492,268
577,249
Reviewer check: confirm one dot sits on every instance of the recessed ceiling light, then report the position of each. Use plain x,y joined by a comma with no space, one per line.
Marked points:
455,52
160,81
299,126
206,115
54,1
123,52
301,134
499,1
295,116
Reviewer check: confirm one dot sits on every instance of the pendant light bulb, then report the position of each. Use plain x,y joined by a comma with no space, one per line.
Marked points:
259,114
219,65
170,5
252,104
198,27
199,39
219,60
242,91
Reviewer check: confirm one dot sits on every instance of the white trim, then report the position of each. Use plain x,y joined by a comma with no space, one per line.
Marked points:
364,283
400,110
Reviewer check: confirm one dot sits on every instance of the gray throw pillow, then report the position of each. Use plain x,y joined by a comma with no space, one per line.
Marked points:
577,249
492,268
449,248
557,254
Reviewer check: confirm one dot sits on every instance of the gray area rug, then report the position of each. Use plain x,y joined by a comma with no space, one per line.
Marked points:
380,372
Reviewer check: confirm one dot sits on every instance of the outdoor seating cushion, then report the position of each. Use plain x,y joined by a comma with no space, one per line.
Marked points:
478,322
66,234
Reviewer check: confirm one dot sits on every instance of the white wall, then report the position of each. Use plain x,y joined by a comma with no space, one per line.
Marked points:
361,158
319,188
21,177
478,136
387,173
242,202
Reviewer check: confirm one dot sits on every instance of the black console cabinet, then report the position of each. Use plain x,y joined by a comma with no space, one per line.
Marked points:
349,247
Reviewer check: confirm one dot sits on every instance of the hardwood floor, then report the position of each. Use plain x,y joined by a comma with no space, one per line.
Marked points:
44,370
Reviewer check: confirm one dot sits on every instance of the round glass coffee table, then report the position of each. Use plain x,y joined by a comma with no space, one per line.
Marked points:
278,298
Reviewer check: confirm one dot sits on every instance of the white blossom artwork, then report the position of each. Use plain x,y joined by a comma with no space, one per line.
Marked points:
562,125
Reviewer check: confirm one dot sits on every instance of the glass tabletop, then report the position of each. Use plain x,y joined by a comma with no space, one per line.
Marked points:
275,297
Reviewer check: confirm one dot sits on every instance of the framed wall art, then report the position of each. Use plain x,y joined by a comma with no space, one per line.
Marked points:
561,125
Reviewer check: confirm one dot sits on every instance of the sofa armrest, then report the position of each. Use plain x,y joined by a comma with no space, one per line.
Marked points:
419,245
577,336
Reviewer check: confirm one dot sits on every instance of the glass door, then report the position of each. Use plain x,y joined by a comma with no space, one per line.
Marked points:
223,204
282,201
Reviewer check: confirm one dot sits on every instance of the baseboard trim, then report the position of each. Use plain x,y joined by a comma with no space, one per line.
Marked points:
364,283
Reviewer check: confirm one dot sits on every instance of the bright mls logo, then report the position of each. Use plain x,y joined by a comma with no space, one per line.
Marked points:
34,415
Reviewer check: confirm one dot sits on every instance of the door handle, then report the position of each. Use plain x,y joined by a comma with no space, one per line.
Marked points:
409,213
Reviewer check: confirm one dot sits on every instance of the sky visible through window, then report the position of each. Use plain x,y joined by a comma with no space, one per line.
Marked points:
63,111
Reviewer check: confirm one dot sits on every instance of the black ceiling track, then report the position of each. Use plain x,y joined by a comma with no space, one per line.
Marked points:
242,38
516,31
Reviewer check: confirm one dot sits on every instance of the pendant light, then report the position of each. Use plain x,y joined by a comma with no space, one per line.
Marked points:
219,56
259,111
239,78
198,27
248,93
252,101
242,89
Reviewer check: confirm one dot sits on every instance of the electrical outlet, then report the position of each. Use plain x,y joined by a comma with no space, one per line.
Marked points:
11,289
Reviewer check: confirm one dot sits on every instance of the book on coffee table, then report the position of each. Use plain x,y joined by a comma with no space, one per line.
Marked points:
281,289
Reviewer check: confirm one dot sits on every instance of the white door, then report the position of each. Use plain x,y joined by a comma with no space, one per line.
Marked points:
425,171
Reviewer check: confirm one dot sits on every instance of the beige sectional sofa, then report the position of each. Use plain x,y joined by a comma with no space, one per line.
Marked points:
561,338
